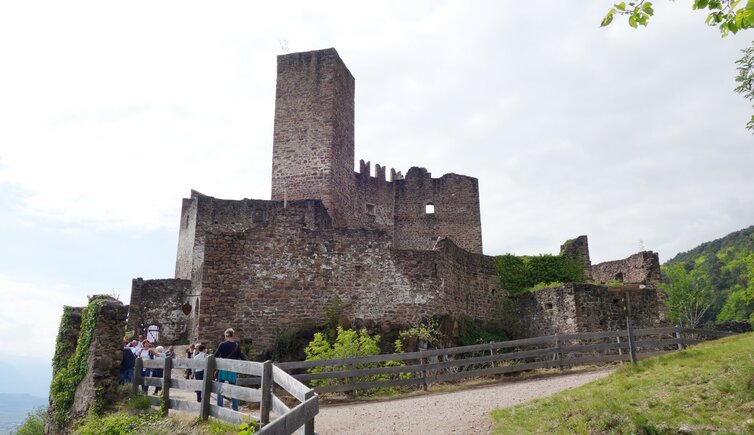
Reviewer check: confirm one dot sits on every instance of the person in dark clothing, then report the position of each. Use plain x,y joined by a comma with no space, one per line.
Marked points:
201,355
127,365
231,350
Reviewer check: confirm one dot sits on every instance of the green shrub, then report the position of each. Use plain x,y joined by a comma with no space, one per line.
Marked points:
119,423
140,403
34,423
348,343
248,426
519,273
428,331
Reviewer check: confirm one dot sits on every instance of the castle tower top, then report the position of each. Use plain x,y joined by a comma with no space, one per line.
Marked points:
313,146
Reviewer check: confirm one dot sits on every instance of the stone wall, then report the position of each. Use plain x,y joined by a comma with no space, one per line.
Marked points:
100,384
284,273
640,268
578,307
313,148
166,303
579,248
455,199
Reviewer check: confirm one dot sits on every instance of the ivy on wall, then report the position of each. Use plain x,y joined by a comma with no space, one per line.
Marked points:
68,377
519,274
62,347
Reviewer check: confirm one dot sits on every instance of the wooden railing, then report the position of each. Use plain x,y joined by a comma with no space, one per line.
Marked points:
426,367
299,419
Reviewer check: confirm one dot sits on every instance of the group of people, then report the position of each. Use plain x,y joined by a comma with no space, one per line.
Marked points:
143,349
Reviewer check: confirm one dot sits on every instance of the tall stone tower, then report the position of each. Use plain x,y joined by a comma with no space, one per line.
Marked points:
313,148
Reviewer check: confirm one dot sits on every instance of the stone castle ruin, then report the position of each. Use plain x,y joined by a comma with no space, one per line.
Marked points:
393,249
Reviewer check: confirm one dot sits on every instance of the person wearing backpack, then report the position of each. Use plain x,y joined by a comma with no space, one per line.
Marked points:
228,349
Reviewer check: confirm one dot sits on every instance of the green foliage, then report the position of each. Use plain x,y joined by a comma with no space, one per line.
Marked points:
707,388
248,426
521,273
63,348
689,295
139,403
469,332
67,378
428,331
333,313
727,15
34,423
348,343
727,266
219,427
119,423
745,78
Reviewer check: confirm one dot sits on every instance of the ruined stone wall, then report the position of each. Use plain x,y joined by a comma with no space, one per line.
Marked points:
640,268
284,273
601,308
374,206
99,386
184,263
579,248
547,312
161,302
313,149
105,356
456,211
577,307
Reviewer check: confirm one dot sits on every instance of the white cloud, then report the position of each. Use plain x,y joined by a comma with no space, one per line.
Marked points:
30,315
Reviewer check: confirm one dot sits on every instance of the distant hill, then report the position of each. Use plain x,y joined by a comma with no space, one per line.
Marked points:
742,239
726,266
15,407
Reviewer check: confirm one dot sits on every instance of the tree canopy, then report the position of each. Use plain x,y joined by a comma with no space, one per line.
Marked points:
728,15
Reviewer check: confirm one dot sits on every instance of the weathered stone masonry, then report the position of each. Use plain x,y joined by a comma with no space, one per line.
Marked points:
394,250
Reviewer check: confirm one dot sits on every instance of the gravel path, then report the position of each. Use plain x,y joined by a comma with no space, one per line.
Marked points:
458,412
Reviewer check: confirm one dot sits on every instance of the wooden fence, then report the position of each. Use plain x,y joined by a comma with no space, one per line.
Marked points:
299,419
440,365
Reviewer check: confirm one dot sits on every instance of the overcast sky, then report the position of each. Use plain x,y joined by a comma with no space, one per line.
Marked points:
111,112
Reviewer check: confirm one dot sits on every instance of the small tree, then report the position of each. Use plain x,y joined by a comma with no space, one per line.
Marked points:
690,295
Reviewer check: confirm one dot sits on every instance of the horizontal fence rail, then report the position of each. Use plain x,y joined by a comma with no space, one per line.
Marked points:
299,419
427,367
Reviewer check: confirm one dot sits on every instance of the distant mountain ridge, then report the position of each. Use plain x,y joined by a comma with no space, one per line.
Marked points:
741,239
15,407
15,401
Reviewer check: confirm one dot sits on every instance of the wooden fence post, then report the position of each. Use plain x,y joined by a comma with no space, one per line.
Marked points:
492,354
558,353
423,368
631,344
166,374
309,426
678,336
137,379
266,387
209,373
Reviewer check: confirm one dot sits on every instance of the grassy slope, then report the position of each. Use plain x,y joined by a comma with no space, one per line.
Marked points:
705,388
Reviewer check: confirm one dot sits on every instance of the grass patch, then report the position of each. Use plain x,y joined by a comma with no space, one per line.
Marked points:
706,388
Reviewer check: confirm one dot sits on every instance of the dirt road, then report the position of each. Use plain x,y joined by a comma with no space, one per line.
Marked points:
458,412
